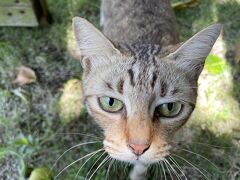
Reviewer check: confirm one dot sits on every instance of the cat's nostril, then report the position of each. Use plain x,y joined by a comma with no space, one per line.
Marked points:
139,149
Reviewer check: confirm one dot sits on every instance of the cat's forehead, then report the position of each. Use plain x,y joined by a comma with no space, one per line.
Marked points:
147,51
139,80
144,73
153,75
141,71
141,51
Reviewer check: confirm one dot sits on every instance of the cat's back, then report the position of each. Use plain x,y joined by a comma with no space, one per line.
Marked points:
139,21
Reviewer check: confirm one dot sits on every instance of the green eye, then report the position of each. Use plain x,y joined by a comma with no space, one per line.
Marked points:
110,104
170,109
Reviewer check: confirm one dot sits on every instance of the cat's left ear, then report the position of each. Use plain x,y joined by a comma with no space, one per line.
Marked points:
91,41
192,54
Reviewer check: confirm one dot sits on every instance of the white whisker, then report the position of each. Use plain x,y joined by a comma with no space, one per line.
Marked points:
163,170
76,161
71,149
202,157
125,167
158,169
174,171
177,165
213,146
101,164
109,167
84,164
191,165
83,134
94,164
168,169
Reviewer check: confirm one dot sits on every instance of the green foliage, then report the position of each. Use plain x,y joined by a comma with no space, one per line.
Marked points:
215,65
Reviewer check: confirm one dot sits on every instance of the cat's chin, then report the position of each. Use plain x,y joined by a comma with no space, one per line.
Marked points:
128,158
133,159
125,155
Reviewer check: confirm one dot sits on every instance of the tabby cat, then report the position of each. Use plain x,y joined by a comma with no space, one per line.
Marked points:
139,82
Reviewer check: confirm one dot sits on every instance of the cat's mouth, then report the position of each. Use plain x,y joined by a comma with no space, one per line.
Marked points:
122,153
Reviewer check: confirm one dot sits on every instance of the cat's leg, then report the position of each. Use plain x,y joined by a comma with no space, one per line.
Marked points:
102,15
105,11
139,172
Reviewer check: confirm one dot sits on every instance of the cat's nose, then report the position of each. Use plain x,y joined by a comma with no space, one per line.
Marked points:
139,149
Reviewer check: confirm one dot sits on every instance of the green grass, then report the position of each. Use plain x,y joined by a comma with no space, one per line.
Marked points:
31,127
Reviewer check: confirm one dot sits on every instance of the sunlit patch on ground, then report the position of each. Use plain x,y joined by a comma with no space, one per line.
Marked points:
71,101
216,107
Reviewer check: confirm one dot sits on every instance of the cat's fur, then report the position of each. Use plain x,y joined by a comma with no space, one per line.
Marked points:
142,67
139,21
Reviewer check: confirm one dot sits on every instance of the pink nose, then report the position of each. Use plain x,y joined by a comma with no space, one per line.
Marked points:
138,149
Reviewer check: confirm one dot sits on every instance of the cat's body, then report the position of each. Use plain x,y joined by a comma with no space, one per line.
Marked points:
142,89
139,21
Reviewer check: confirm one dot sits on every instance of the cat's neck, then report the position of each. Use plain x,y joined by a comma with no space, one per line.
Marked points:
139,21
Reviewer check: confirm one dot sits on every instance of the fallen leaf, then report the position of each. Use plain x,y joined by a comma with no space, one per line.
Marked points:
25,75
186,4
41,173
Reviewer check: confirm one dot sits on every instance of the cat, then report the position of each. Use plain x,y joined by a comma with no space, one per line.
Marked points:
139,82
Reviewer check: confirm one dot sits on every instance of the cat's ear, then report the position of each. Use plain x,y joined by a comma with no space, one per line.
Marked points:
91,41
192,54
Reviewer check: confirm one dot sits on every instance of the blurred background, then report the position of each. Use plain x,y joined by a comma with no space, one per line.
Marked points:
41,115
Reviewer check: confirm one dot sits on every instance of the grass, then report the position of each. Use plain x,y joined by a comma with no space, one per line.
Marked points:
32,127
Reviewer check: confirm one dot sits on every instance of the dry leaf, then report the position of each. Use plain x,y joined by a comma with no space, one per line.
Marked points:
186,4
41,173
24,76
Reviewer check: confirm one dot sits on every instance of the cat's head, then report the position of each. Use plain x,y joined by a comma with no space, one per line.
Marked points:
140,100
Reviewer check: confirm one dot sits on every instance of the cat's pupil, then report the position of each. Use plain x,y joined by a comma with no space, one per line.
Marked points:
170,106
111,101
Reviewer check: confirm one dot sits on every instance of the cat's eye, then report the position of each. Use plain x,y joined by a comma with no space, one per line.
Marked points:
169,109
110,104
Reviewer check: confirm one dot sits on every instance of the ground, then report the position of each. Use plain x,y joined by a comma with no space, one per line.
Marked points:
36,126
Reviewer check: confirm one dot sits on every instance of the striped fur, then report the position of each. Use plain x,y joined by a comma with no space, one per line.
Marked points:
143,67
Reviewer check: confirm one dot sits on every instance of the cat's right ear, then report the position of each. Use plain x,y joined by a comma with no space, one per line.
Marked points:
91,42
191,55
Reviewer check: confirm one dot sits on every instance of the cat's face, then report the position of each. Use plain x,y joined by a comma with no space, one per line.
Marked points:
140,101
